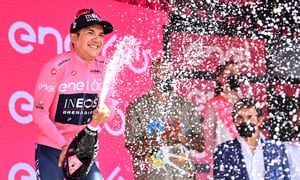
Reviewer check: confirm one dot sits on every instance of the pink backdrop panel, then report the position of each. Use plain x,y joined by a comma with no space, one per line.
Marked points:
206,52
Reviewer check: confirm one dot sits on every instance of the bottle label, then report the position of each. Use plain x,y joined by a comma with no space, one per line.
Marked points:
90,132
74,164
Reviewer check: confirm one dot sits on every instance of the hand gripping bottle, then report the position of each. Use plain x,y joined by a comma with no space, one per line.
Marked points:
81,153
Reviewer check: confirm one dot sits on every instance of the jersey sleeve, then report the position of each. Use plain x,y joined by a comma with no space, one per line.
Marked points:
44,98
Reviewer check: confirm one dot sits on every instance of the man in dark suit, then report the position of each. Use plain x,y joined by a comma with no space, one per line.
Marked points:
250,156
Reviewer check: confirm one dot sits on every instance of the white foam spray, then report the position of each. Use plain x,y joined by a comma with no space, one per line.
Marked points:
123,54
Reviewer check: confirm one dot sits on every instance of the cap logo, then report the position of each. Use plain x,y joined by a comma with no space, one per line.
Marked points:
74,25
92,17
87,17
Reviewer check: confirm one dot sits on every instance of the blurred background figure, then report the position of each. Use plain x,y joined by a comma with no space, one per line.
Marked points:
250,155
161,129
218,125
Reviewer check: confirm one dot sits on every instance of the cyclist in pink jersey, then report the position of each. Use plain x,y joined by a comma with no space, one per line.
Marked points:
66,95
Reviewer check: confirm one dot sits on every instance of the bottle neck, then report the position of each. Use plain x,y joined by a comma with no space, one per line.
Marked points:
93,125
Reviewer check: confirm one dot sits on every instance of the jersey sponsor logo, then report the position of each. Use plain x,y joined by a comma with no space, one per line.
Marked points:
46,87
95,71
40,105
76,108
80,86
63,62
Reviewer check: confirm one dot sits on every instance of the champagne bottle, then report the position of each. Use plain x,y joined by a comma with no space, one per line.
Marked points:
81,154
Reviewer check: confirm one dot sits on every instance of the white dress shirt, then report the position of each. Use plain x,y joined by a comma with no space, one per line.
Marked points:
293,153
254,162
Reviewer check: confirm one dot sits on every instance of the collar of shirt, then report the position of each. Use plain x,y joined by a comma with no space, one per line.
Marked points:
245,146
254,162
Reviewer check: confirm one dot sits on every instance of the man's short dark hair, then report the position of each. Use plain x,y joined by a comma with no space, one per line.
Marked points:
247,103
222,66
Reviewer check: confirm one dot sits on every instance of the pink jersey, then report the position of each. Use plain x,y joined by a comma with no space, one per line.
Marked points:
66,95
